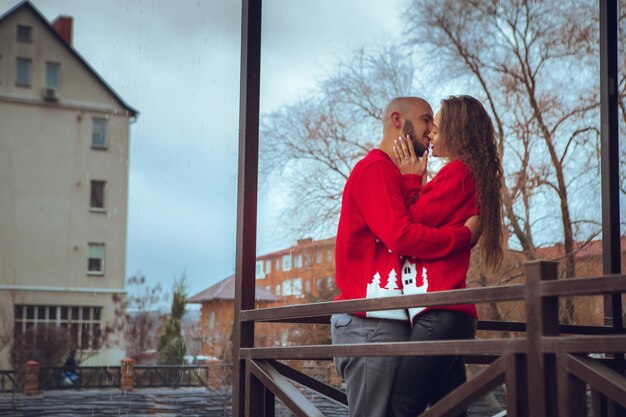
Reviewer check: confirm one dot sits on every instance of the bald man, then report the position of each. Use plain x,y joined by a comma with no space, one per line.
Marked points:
374,232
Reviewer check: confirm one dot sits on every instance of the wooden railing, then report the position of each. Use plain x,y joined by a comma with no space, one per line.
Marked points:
171,376
546,373
145,376
11,381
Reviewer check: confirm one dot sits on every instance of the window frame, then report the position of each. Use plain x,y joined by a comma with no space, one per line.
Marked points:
88,327
91,245
58,74
105,134
19,32
297,287
91,193
286,262
29,72
258,269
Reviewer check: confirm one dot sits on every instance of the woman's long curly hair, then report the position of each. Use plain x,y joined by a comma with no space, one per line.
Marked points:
467,133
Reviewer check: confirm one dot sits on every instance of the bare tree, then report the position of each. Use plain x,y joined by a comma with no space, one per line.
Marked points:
7,321
535,66
144,318
308,148
46,344
522,57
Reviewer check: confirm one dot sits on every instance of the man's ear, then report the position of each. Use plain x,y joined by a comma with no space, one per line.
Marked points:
395,120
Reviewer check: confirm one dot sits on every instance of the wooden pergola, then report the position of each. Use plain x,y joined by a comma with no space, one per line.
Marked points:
546,373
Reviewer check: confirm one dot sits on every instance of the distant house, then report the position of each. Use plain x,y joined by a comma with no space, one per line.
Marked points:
217,314
588,256
299,270
64,139
295,275
589,263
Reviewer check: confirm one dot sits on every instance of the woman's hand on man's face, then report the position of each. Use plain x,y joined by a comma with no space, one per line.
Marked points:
406,160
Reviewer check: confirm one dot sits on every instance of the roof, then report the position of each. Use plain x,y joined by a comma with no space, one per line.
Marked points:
30,7
303,244
225,290
582,249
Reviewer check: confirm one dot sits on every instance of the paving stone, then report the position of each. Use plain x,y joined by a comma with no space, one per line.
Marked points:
192,402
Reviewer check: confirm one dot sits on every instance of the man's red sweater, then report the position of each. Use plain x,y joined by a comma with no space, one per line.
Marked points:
448,200
375,230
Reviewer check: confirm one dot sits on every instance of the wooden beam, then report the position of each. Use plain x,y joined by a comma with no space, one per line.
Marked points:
468,295
599,377
284,390
243,332
432,348
458,400
312,383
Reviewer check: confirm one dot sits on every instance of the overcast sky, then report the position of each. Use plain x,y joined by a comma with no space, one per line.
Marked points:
177,62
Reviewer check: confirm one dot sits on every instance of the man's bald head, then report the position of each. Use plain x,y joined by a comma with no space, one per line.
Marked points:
407,116
402,105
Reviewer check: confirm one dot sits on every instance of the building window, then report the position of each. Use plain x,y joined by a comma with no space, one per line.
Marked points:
318,257
307,260
278,289
96,199
296,287
286,262
24,34
99,133
277,265
268,266
287,290
298,261
23,72
293,287
327,283
95,260
259,270
307,286
82,324
329,255
212,320
53,75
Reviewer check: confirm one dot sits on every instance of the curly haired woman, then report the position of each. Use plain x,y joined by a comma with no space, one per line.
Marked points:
468,184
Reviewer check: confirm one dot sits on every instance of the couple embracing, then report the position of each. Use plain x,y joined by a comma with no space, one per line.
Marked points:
399,234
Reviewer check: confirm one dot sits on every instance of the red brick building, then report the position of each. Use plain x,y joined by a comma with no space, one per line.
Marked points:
299,274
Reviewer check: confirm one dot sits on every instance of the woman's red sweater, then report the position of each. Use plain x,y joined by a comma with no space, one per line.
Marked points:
448,200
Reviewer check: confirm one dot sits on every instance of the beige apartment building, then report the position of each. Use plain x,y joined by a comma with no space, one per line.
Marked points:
64,137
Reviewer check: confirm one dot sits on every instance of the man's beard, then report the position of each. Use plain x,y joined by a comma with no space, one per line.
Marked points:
409,131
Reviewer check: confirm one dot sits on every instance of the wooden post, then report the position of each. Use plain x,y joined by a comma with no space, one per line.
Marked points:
31,379
516,385
245,283
127,374
543,320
